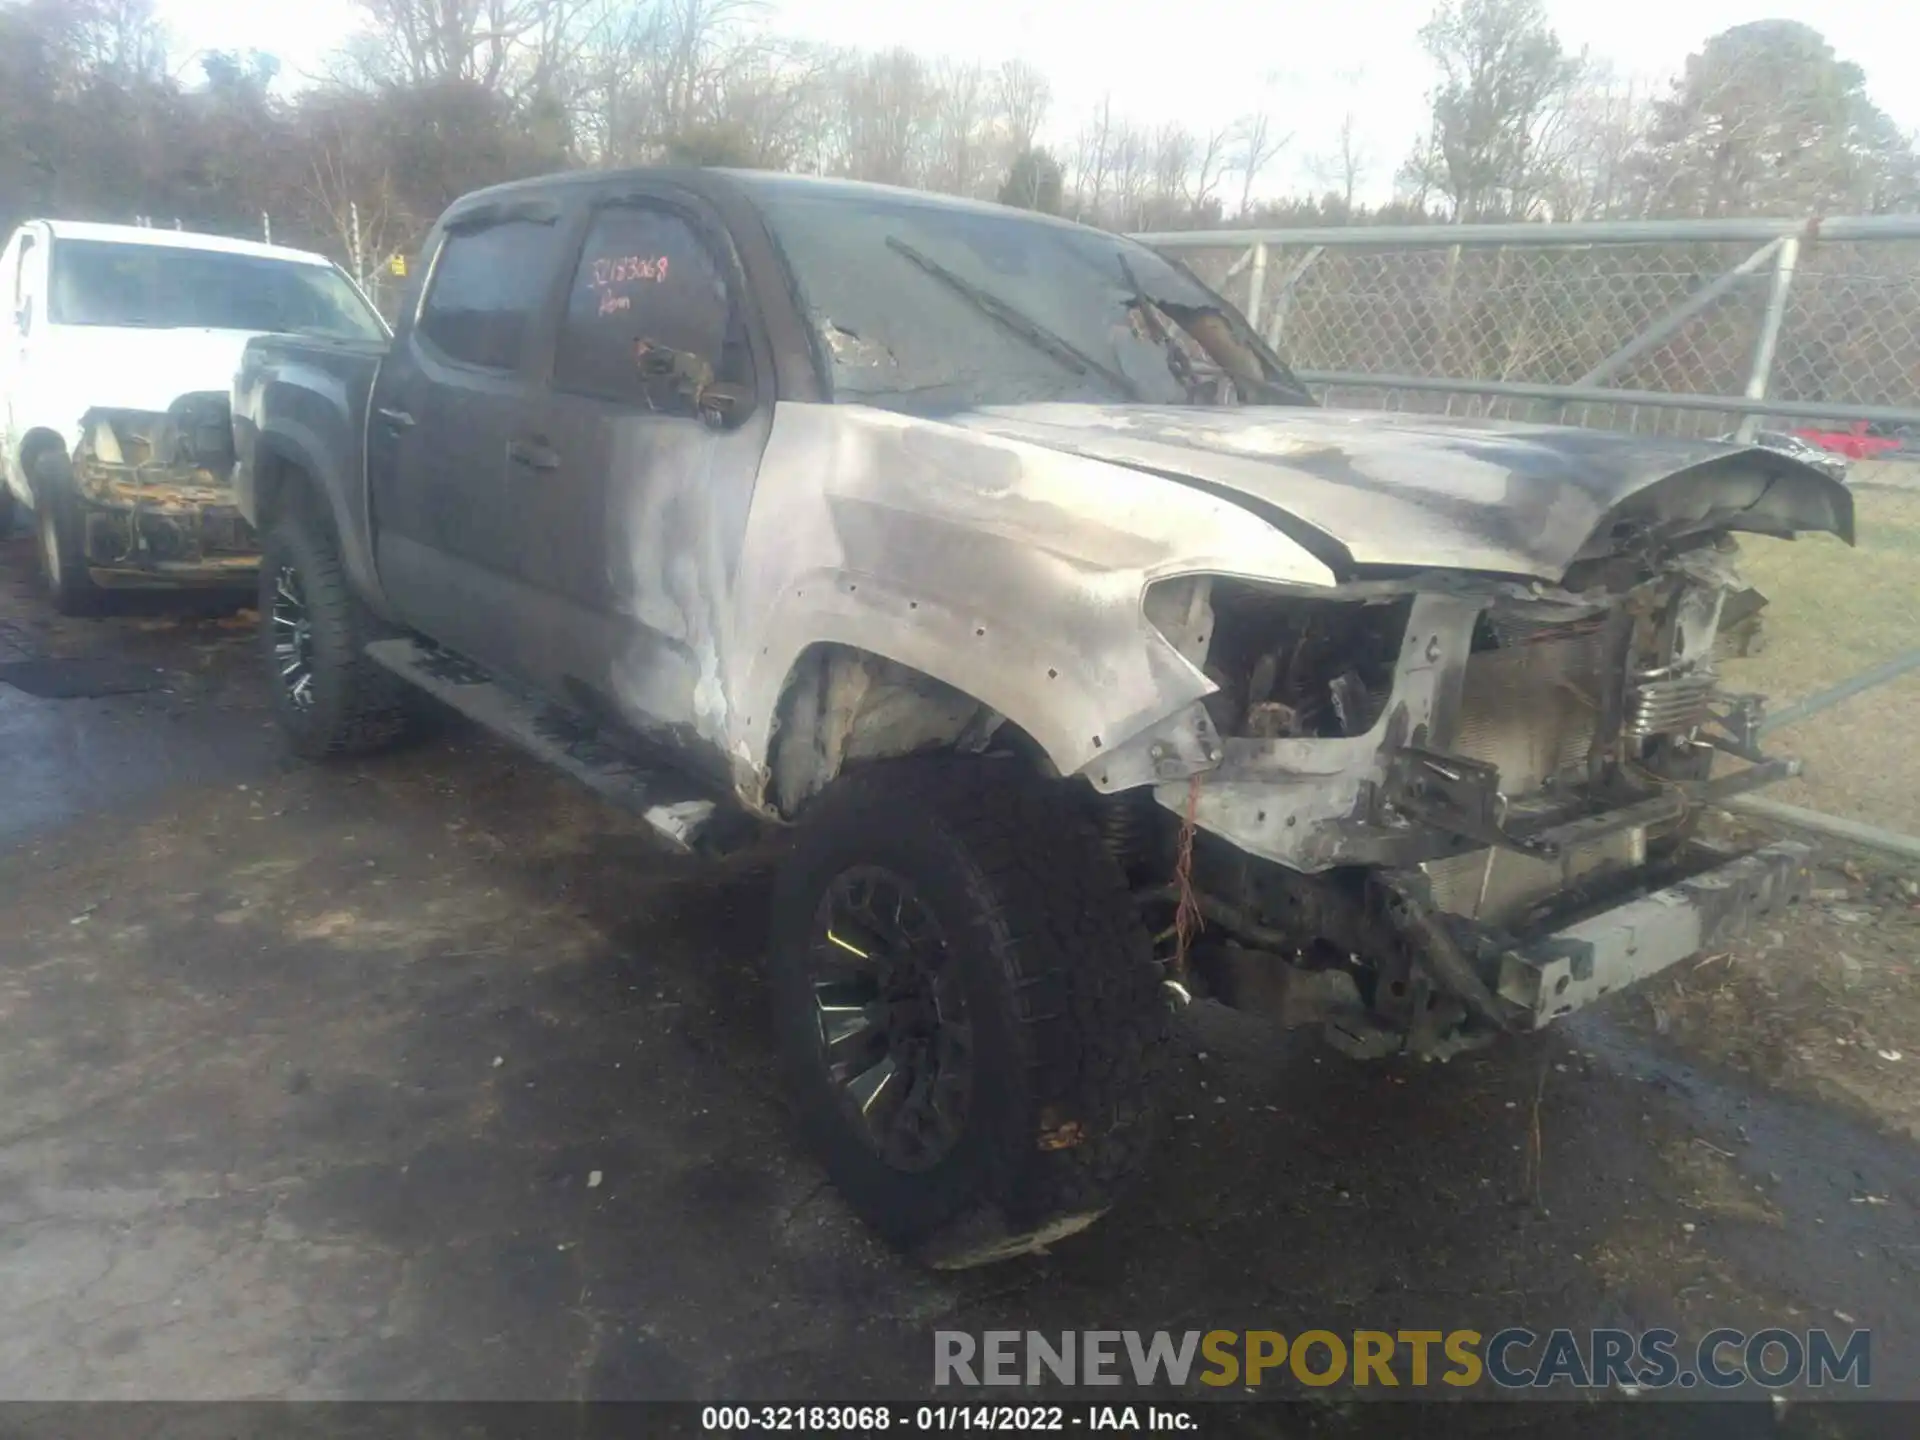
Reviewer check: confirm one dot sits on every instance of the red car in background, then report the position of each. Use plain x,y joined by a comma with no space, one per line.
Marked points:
1857,442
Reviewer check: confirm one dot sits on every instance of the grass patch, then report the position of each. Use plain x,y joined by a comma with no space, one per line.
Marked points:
1835,611
1832,613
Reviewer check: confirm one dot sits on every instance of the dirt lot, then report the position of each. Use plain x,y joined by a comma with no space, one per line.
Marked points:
429,1077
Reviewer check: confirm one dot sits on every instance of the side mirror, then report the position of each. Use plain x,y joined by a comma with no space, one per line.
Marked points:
724,406
680,382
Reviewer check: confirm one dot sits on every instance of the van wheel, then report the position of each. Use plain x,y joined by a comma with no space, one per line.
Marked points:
58,524
967,1005
328,696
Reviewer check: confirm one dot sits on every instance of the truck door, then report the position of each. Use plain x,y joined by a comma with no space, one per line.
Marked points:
635,506
448,403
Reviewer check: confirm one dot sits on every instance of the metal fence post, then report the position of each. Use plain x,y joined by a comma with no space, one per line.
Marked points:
1769,341
1257,283
1675,321
1283,301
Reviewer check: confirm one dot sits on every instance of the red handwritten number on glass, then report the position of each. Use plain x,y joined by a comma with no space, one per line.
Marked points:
625,269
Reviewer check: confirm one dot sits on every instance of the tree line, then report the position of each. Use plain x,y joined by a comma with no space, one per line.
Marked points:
431,98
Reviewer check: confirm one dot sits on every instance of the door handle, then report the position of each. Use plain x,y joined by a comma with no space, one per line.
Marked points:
397,419
532,454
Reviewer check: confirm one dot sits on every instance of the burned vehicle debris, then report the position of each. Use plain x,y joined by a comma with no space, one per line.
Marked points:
1092,666
154,495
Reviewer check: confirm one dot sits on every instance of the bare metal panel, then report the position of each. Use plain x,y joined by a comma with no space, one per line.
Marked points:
1530,709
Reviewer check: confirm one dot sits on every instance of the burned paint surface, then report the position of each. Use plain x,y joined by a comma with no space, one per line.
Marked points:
1407,490
1016,571
1012,573
156,498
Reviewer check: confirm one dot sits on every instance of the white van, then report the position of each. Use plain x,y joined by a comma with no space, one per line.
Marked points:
117,360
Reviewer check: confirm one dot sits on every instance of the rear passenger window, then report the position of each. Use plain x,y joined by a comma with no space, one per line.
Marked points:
486,287
649,298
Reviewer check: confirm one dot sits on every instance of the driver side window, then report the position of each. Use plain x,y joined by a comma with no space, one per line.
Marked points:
650,317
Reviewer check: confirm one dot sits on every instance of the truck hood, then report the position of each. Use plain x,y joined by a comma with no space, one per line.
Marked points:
87,367
1364,489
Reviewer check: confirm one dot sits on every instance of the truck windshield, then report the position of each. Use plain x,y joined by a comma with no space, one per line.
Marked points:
925,305
171,287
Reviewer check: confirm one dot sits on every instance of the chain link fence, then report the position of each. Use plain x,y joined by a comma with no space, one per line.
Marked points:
1690,329
1635,326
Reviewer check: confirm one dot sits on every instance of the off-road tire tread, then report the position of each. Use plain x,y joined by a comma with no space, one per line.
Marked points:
1091,1013
375,709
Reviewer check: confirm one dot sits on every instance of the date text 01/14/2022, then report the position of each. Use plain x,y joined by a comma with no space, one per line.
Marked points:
871,1419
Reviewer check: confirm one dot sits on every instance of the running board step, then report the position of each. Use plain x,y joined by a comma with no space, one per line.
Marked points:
668,802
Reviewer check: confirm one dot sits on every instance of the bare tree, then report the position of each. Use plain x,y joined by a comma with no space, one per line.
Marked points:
360,213
1588,158
1210,165
428,41
1256,144
888,113
1132,172
1021,99
961,104
1093,162
1174,149
1343,167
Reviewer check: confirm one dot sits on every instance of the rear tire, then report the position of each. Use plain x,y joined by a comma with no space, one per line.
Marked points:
327,695
60,529
1036,1025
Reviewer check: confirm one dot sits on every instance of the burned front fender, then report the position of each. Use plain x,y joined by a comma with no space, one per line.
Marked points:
153,496
1013,574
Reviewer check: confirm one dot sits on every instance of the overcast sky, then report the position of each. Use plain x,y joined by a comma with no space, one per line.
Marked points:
1205,61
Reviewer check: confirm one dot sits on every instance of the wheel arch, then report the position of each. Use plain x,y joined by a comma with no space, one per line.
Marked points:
285,472
39,440
283,476
842,706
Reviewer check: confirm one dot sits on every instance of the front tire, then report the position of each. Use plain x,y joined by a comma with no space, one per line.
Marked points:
59,527
330,699
967,1005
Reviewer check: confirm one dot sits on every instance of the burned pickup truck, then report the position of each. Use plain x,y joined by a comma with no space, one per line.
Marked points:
1090,665
116,393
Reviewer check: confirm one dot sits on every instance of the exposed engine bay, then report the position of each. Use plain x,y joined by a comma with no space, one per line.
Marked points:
155,494
1428,784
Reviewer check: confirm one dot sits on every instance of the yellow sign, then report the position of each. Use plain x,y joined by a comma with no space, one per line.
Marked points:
398,265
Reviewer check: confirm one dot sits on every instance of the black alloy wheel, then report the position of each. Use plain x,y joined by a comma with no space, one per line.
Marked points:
894,1033
292,635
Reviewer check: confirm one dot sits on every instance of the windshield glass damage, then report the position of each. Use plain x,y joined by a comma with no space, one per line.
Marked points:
164,287
927,306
